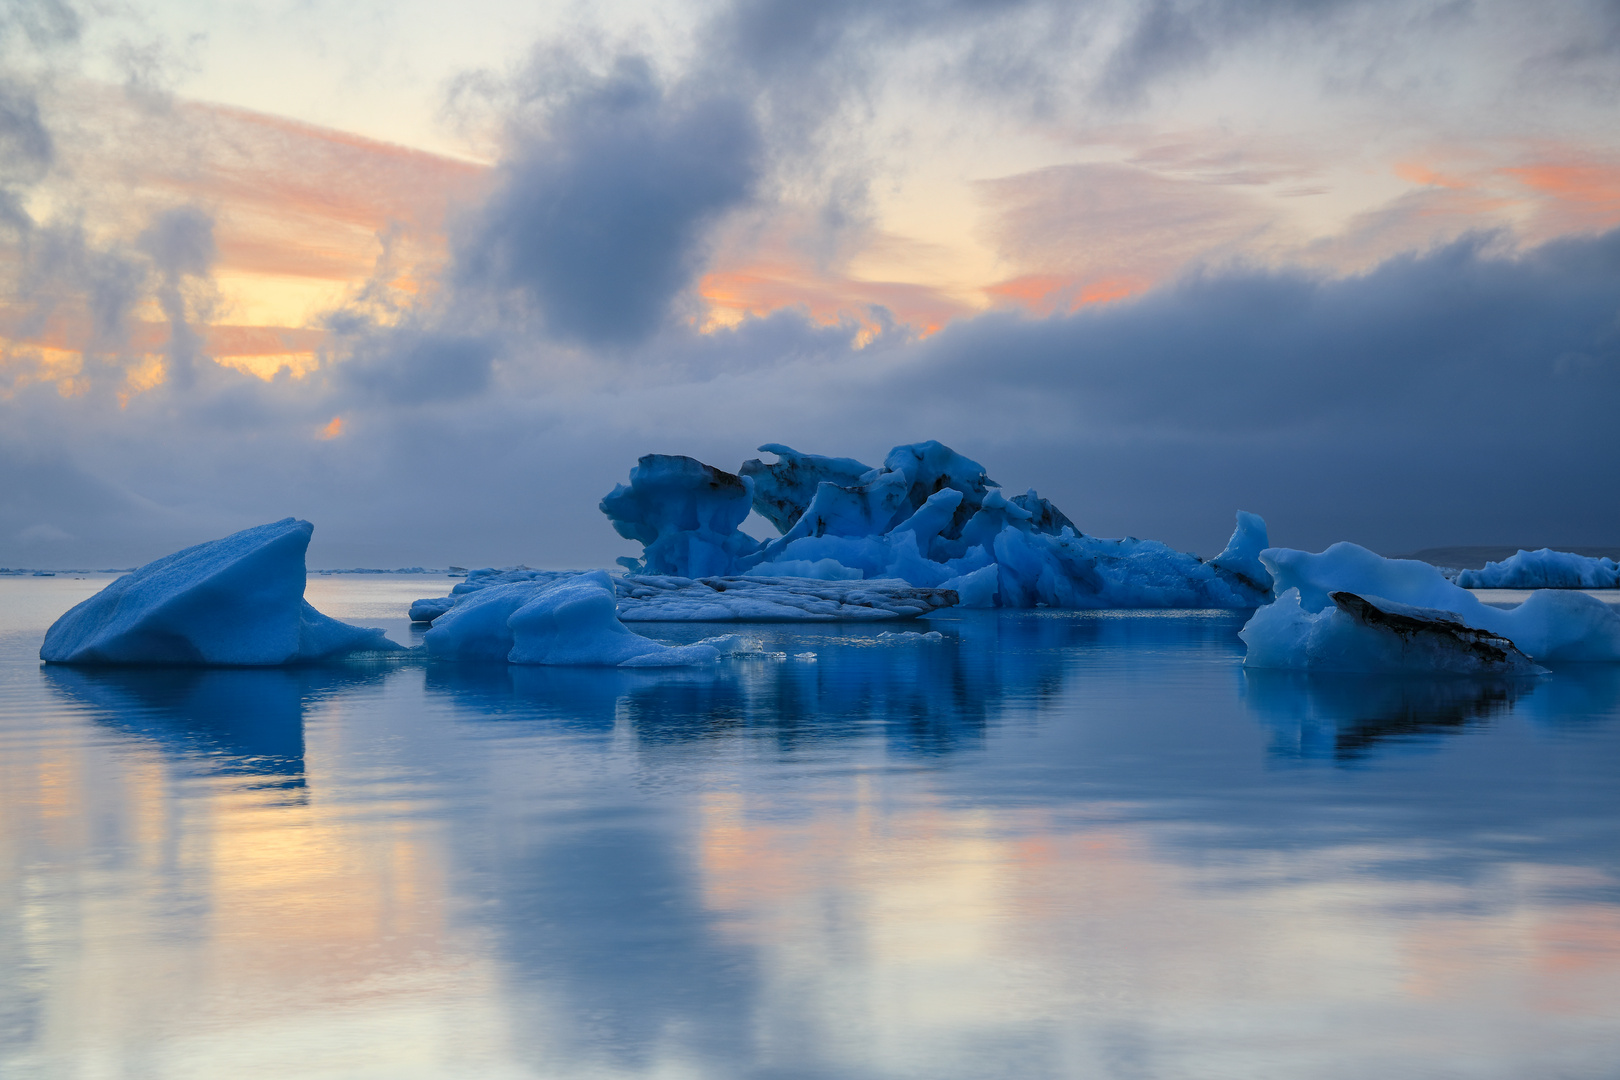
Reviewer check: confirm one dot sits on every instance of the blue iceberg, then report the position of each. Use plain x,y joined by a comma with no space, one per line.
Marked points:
929,518
566,620
1308,627
238,601
1544,569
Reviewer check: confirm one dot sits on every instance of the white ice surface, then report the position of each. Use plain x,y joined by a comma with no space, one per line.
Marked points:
1552,626
1284,634
564,620
1544,569
238,601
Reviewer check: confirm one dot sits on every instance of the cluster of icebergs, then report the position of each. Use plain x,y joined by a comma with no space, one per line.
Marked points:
928,517
926,530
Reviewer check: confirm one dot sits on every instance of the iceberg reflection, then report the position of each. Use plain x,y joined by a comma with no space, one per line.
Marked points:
1345,718
247,721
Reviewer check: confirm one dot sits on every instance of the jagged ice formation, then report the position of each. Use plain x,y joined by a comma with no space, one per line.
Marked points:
928,517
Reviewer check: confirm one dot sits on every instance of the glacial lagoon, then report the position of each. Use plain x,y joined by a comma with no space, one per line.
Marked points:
1052,844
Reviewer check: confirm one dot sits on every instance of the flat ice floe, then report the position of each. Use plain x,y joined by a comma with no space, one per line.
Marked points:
236,601
667,598
1307,627
650,598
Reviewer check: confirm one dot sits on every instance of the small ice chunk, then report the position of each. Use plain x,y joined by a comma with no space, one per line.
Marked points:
576,622
478,626
904,636
1373,634
1544,569
1551,626
238,601
431,608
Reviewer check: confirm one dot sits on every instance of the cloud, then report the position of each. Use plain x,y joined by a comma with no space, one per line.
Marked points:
599,217
1455,394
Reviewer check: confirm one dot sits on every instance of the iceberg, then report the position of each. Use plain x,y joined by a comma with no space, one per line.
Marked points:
1549,627
429,609
685,515
928,518
570,620
1373,634
238,601
1544,569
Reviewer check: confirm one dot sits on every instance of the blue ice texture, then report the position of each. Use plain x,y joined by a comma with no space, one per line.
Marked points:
928,517
1308,628
238,601
1544,569
567,619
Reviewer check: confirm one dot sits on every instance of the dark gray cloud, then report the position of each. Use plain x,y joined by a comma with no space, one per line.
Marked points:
409,366
599,220
1461,396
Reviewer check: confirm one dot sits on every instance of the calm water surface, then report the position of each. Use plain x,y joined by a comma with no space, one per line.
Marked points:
1053,845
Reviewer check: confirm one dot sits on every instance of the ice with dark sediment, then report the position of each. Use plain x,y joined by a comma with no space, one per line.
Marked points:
1308,628
238,601
1373,634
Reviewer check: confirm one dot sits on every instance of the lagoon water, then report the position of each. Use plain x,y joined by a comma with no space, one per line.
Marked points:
1052,845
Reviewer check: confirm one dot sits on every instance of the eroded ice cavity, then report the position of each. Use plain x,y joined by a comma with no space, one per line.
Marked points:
236,601
1544,569
568,619
928,517
1307,629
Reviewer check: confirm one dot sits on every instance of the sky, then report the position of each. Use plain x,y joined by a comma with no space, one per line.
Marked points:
434,283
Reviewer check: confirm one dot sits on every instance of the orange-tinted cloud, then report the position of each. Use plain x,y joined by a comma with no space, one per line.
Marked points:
1582,195
733,293
1419,174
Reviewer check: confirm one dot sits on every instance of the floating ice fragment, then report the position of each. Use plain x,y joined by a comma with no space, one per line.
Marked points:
1373,634
905,636
1550,627
565,620
1544,569
237,601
